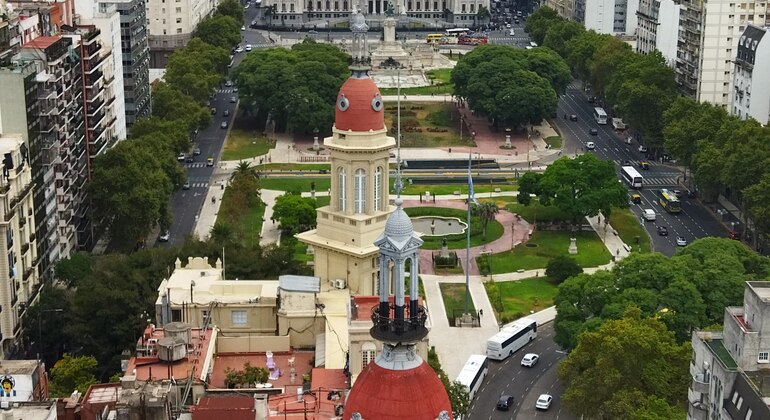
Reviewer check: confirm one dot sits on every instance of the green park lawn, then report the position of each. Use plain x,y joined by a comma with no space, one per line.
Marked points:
535,212
453,295
242,144
295,167
549,244
457,241
554,142
247,227
301,184
447,189
630,230
514,299
427,125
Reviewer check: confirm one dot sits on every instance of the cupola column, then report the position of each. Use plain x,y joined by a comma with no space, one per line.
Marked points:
414,280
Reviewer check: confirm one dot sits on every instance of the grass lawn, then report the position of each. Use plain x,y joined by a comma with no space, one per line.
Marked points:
441,85
427,125
323,200
456,241
300,252
554,142
591,252
246,226
445,189
630,230
453,295
536,212
514,299
242,144
298,183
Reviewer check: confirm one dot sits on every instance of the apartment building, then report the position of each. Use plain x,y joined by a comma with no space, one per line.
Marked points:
564,8
614,17
658,28
171,24
729,367
750,97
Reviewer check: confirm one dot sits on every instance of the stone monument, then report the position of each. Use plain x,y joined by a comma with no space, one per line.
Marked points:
573,246
390,53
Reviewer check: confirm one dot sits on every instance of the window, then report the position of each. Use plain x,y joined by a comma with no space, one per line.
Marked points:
179,10
178,20
239,318
342,191
176,315
378,189
368,352
763,357
359,191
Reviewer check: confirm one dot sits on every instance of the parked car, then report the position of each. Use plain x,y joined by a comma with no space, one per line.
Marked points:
180,157
164,237
312,32
530,359
186,185
642,149
239,49
243,28
543,402
662,231
505,402
681,241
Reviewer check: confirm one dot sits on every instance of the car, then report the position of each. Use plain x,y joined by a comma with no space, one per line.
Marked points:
644,165
681,241
248,47
543,402
233,99
530,359
213,111
243,28
223,125
196,151
312,32
662,231
226,113
649,215
189,159
239,49
626,162
507,25
180,157
186,185
235,90
228,83
642,149
590,145
593,132
636,198
678,193
505,402
591,99
164,237
210,161
573,117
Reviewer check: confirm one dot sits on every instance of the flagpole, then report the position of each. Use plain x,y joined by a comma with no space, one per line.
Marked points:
468,237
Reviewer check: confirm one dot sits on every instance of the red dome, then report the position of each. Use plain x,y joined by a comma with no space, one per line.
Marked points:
359,106
412,394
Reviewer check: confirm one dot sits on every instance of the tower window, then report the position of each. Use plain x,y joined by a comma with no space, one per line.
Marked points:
359,191
342,190
378,189
368,351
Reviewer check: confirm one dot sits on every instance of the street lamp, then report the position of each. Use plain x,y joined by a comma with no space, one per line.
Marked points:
40,329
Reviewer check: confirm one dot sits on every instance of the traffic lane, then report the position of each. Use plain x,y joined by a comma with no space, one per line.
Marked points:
547,383
185,205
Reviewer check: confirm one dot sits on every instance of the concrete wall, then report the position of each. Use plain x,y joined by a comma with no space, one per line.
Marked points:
253,344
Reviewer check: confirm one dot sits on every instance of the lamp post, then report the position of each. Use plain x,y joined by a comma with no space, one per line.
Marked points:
40,329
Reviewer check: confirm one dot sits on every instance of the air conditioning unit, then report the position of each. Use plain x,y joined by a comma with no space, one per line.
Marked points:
338,283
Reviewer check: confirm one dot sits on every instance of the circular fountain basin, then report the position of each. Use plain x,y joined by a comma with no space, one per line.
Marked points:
438,226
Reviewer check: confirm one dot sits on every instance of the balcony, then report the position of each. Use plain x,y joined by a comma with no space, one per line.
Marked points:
27,273
700,383
94,107
93,78
94,121
24,248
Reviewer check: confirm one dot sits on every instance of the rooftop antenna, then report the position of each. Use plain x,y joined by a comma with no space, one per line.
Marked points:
399,186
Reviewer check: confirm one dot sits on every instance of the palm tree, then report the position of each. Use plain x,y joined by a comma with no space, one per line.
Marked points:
486,211
221,233
244,168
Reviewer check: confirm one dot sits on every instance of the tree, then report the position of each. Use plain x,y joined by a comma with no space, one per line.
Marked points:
581,51
220,31
221,233
540,21
634,356
486,212
294,212
529,184
482,15
196,69
561,268
172,105
559,33
582,187
73,268
459,399
688,122
172,134
231,8
72,373
549,65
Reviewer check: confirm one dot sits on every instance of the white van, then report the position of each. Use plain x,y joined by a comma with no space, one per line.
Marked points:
511,32
649,215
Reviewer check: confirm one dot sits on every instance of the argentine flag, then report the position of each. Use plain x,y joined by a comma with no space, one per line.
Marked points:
471,195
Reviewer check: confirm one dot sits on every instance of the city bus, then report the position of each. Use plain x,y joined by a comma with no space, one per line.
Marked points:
669,201
600,116
473,373
632,176
511,338
434,38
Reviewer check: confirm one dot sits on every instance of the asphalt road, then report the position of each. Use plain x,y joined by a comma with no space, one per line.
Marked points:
693,222
524,384
503,37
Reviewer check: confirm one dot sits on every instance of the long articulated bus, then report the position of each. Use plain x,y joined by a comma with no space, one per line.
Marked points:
669,201
511,339
632,176
473,374
600,116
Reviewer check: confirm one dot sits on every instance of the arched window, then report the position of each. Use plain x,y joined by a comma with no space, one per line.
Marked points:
345,5
328,7
378,189
319,6
341,181
368,353
359,192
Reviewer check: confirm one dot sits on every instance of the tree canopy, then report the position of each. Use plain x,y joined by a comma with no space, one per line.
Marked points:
170,104
72,374
231,8
196,69
220,31
295,213
630,368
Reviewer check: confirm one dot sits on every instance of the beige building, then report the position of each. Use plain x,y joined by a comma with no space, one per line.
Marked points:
18,271
171,24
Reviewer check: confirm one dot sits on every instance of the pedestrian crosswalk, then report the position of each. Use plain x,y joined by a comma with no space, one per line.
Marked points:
198,182
508,39
227,90
660,181
195,165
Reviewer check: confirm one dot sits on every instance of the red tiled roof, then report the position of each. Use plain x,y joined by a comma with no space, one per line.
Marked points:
42,42
359,115
231,407
328,379
365,304
414,394
152,368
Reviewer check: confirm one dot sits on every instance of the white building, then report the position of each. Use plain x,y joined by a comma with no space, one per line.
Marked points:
658,28
171,24
614,17
750,96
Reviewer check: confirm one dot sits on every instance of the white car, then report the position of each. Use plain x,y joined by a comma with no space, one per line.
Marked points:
681,241
248,47
239,49
530,359
243,28
590,145
164,236
543,402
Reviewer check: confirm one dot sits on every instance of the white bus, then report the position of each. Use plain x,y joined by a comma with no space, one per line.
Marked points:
456,32
632,176
511,338
473,374
600,116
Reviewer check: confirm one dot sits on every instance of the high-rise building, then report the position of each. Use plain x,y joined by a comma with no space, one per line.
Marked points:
171,25
751,86
658,28
614,17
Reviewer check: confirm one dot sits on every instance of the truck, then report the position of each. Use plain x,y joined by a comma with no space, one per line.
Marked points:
618,124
